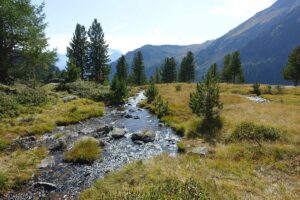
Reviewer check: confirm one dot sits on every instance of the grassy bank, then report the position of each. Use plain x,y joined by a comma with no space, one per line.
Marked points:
34,111
233,169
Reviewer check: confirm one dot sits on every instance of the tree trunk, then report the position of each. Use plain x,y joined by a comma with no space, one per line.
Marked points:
296,82
3,70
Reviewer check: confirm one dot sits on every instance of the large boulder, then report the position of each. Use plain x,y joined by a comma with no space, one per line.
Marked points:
117,133
69,98
145,136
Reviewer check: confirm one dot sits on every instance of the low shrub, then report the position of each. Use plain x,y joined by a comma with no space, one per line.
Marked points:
151,92
85,150
8,106
256,89
178,88
86,89
31,97
279,89
181,147
256,133
161,107
3,144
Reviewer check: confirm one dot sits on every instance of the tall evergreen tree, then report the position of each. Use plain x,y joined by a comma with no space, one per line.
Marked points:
169,74
122,68
156,76
78,49
226,73
292,69
98,53
138,69
236,68
187,68
23,44
72,72
213,72
182,71
233,70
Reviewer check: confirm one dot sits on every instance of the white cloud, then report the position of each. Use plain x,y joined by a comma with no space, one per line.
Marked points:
241,8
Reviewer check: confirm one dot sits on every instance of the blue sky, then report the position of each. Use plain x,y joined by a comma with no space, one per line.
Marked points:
129,24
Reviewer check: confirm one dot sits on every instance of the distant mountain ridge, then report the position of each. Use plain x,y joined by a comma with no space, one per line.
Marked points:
265,41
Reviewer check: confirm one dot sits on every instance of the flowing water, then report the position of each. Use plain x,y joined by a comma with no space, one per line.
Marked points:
69,179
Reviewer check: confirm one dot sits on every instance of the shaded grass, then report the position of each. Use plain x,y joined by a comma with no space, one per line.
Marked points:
85,150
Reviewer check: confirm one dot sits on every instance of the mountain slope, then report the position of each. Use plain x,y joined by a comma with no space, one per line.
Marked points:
264,41
155,55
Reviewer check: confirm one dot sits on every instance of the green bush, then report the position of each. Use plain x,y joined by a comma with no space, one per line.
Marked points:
181,147
161,107
119,92
3,182
256,133
3,144
178,88
256,89
31,97
8,106
85,150
151,92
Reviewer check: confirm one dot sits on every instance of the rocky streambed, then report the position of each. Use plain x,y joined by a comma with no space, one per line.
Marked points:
128,133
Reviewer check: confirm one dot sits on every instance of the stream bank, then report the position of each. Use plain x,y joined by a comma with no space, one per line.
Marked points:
59,180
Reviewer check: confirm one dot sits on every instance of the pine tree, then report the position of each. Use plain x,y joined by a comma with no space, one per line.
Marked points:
119,91
182,72
292,69
226,73
72,71
236,68
138,69
156,76
22,39
205,101
169,74
187,68
78,49
213,71
122,68
98,53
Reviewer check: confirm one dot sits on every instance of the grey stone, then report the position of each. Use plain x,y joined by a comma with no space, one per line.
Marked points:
47,162
136,117
145,136
117,133
203,151
69,98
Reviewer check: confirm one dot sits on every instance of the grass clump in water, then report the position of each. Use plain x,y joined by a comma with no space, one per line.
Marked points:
85,150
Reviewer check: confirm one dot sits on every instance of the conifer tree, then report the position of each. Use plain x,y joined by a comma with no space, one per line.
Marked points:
23,39
187,68
122,68
156,76
138,69
169,74
119,91
226,73
292,69
78,49
213,71
236,68
98,53
72,71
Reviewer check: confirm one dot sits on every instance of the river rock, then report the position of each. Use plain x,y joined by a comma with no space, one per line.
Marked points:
202,151
47,162
47,186
131,110
136,117
69,98
102,131
117,133
25,142
145,136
